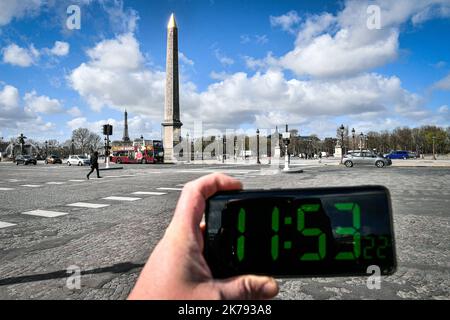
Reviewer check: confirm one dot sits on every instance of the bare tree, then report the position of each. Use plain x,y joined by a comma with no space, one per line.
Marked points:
81,138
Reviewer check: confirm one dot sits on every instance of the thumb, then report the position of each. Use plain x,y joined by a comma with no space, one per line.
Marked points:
248,288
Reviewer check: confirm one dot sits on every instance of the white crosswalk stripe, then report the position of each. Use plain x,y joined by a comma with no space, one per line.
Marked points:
55,183
170,189
6,224
6,189
45,213
88,205
147,193
121,198
31,185
77,180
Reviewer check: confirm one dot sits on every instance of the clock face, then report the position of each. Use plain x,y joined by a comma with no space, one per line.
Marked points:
304,232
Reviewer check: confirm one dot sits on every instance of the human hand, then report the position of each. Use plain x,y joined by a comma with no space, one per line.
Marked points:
177,270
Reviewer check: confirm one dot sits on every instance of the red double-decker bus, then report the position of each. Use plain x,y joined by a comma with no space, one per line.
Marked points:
150,152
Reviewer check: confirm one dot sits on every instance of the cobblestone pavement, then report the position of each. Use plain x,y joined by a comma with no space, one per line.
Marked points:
111,243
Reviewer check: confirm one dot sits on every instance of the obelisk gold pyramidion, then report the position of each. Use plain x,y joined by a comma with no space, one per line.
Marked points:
172,124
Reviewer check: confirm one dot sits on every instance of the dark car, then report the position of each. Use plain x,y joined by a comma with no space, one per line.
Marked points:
397,155
53,159
25,160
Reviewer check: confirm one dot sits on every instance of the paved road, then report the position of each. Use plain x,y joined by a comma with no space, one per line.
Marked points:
112,238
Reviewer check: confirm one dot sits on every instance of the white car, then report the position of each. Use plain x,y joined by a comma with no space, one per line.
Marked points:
78,161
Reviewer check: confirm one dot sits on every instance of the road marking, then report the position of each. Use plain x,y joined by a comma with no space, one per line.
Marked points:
122,198
6,189
170,189
6,225
88,205
31,185
55,183
77,180
13,180
180,185
149,193
45,213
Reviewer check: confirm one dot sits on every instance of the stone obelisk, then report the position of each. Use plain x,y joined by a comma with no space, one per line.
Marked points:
172,124
126,136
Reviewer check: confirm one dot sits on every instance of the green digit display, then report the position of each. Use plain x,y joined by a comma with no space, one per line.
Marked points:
384,246
350,231
367,248
311,232
275,228
241,239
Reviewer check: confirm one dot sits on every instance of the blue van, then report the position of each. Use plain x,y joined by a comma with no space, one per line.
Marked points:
397,155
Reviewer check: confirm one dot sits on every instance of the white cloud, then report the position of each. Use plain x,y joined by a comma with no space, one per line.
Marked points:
122,20
137,126
115,76
443,84
287,21
74,112
341,45
184,59
60,49
9,99
266,98
223,59
10,9
17,56
14,118
41,104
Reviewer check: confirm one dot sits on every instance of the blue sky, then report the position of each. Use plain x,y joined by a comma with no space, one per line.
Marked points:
244,64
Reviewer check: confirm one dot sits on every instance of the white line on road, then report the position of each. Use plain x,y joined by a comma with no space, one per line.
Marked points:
88,205
31,185
170,189
55,183
122,198
77,180
6,225
149,193
6,189
45,213
13,180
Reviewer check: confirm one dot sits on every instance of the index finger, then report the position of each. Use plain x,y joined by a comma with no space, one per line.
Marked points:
191,205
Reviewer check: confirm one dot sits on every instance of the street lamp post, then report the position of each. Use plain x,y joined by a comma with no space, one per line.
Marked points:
224,148
434,150
286,140
72,147
353,138
257,147
187,148
106,149
235,147
46,149
341,130
361,136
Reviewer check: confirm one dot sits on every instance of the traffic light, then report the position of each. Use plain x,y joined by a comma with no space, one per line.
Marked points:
108,130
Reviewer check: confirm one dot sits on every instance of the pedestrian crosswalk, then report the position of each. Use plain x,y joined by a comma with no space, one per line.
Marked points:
121,198
45,213
148,193
88,205
6,224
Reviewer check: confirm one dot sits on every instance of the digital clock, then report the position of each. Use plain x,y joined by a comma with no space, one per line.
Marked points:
302,232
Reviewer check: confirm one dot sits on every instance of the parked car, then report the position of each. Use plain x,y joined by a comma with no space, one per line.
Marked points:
78,161
25,160
413,155
365,158
53,159
397,155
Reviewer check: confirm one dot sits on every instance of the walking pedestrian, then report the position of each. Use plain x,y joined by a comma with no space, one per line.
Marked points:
94,165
